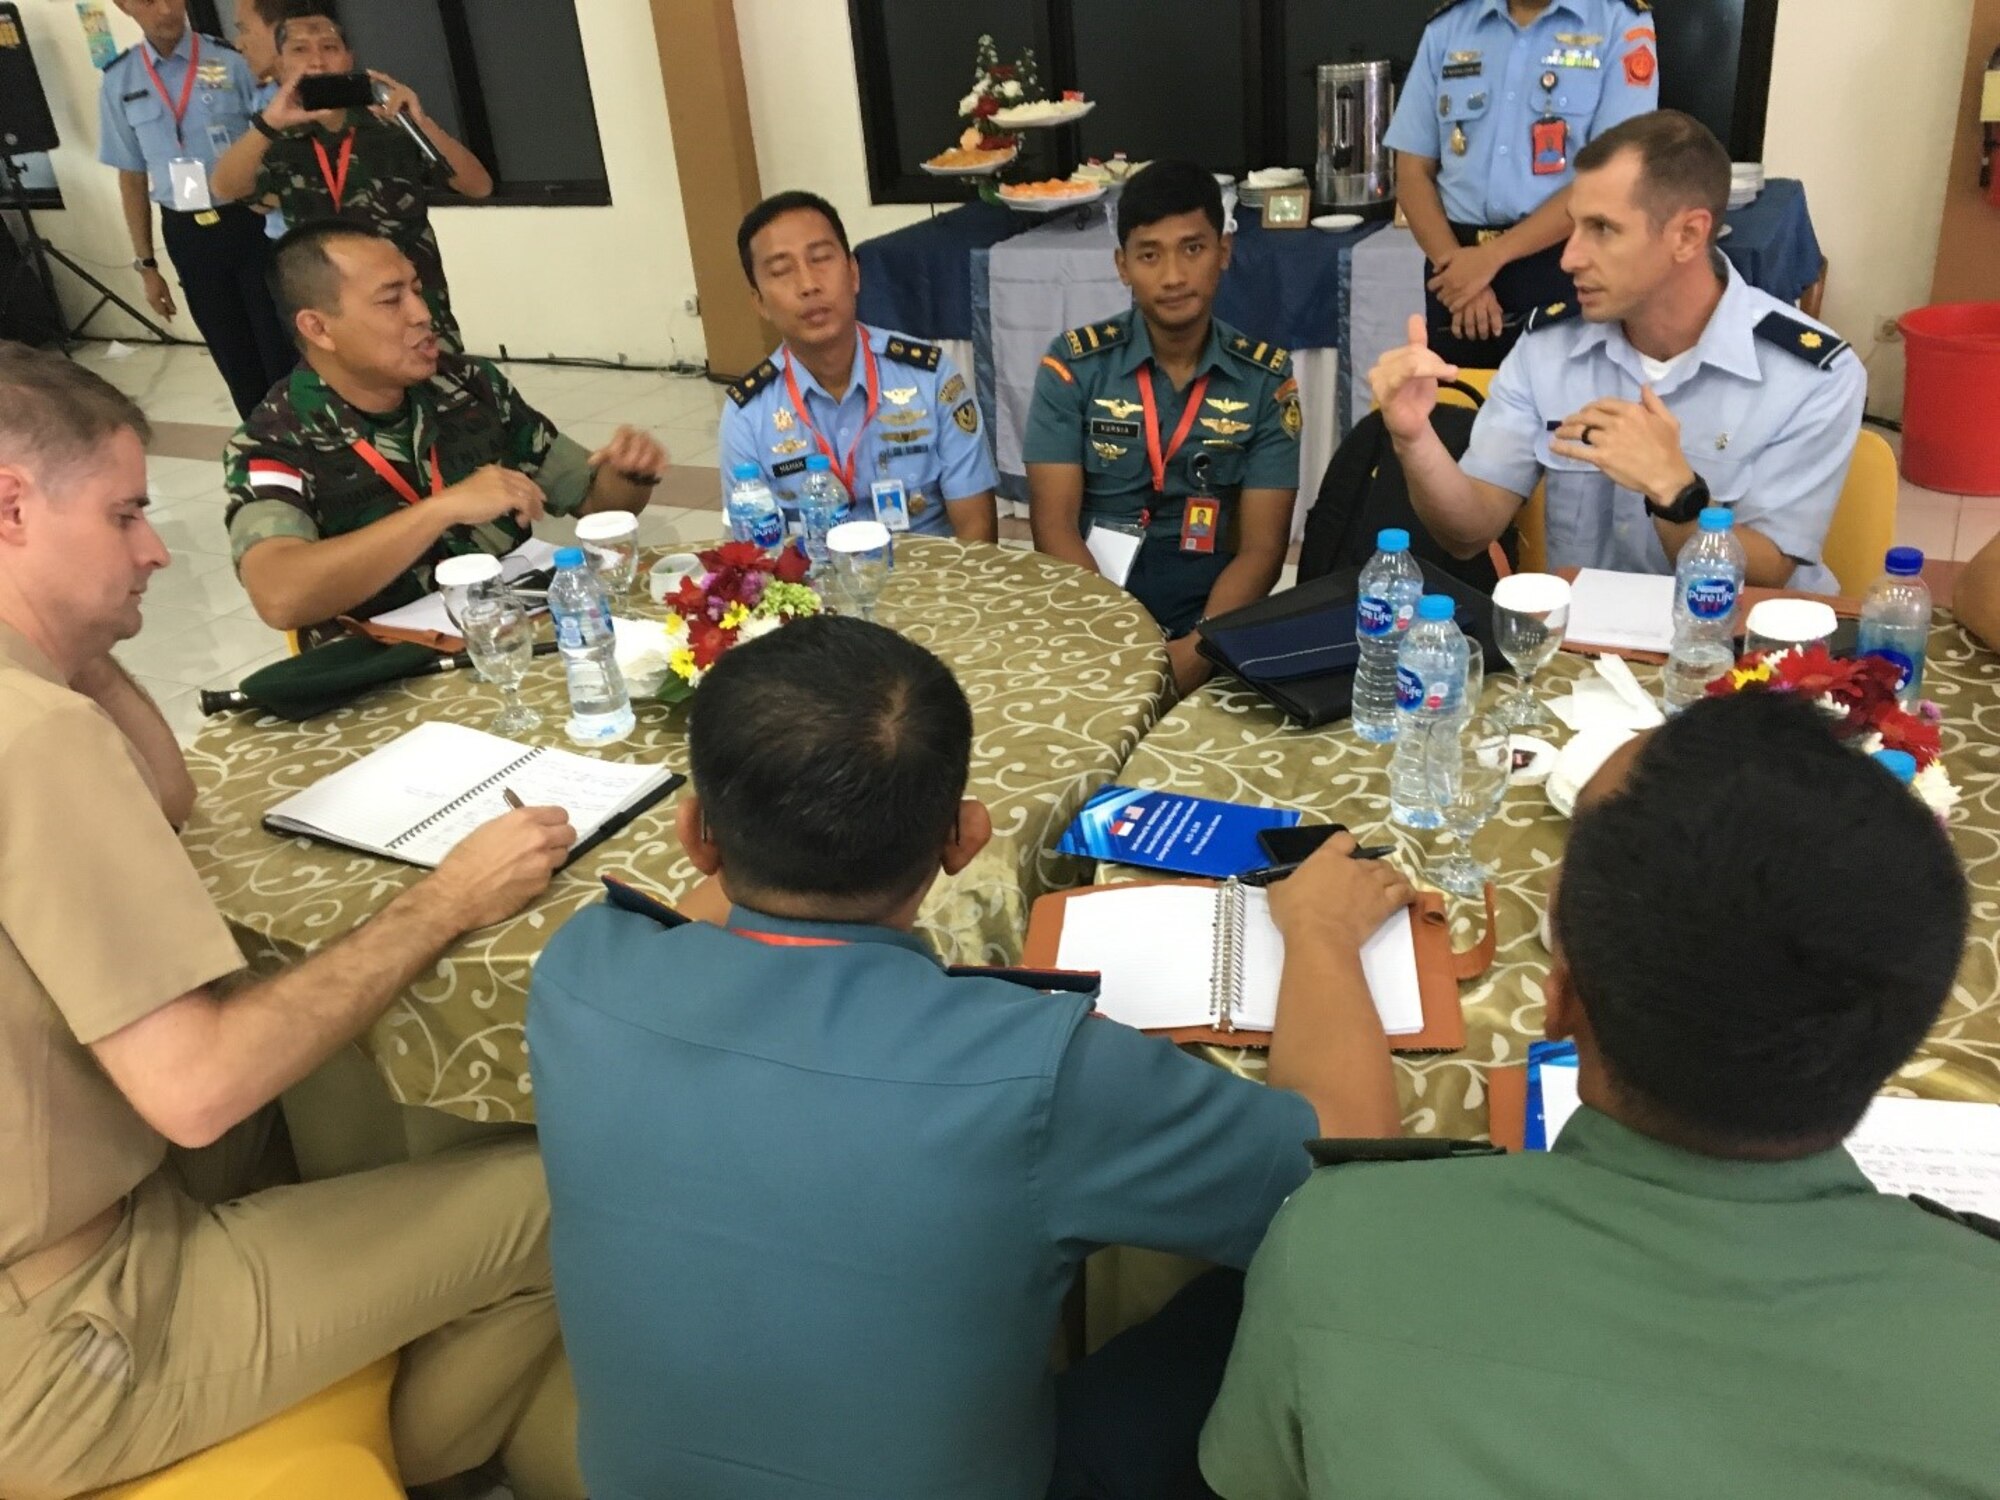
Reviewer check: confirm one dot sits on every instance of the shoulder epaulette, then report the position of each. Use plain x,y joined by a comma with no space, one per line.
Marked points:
1263,356
1332,1153
1094,338
1449,5
910,352
751,384
631,898
1046,981
1549,314
1977,1223
1816,347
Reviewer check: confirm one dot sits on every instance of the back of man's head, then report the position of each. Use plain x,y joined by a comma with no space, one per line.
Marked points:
56,416
1165,190
830,757
305,275
1681,164
1760,925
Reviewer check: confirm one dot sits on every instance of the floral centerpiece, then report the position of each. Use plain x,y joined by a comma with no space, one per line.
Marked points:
1859,694
741,593
995,86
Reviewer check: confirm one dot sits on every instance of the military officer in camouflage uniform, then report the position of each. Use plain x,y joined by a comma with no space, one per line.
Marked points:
1199,468
360,165
381,455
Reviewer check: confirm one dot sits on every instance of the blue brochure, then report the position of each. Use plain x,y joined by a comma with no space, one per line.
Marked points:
1167,831
1551,1100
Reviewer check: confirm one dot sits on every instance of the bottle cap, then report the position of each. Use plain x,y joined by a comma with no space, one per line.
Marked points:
1904,562
817,463
1898,763
1394,539
1436,607
743,472
569,557
1718,518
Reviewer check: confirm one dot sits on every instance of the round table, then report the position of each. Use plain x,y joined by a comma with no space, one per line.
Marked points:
1064,672
1226,742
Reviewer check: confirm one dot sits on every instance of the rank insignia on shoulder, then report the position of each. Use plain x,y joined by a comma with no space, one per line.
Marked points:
1093,337
1444,9
631,898
909,352
751,384
1817,348
1550,314
1334,1153
1964,1218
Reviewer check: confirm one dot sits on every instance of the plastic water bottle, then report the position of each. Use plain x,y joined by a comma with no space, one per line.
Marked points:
1390,586
1896,619
1708,580
754,512
1430,686
600,708
823,505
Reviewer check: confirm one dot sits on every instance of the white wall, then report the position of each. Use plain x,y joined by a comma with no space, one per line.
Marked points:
599,282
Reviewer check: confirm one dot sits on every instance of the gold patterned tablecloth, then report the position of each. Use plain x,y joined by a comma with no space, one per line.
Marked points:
1064,673
1226,742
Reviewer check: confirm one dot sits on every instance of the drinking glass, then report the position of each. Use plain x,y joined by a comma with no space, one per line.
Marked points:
863,554
461,579
611,541
1467,763
1530,614
500,637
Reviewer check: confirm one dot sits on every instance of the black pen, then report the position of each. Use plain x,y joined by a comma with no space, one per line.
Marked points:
1281,871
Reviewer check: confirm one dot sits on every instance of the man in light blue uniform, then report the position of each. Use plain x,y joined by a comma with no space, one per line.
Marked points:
169,107
878,405
1502,96
1666,385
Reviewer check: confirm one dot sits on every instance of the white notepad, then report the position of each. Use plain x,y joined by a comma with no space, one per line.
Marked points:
1622,611
1174,956
429,613
419,795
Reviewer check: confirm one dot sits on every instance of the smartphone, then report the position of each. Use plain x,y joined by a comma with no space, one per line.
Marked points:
318,91
1294,846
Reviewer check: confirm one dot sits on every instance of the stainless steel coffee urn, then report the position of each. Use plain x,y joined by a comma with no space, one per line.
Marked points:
1356,100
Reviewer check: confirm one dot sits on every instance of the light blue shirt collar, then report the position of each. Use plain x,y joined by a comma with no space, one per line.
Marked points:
857,380
1729,342
183,50
1500,8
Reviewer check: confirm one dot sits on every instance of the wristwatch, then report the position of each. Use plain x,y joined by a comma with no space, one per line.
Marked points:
263,126
146,263
1685,506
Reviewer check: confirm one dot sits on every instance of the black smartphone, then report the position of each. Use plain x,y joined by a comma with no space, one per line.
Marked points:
318,91
1294,846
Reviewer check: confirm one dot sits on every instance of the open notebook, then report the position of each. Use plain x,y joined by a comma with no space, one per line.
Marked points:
418,795
1179,956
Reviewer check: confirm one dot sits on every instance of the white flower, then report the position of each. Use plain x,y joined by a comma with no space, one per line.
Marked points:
756,626
1011,89
1936,790
969,103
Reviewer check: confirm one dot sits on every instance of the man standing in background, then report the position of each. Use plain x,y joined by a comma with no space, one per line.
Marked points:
257,39
169,109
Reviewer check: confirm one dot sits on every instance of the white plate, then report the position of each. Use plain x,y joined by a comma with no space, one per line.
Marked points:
1337,223
1000,159
1052,205
1012,119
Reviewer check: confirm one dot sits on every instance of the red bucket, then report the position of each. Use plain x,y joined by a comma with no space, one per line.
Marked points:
1951,400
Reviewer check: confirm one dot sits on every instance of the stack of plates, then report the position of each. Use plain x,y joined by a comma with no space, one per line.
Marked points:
1260,182
1746,181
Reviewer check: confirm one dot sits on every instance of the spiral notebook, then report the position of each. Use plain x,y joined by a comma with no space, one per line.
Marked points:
416,797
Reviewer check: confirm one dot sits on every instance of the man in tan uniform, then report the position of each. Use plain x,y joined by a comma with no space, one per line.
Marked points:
136,1324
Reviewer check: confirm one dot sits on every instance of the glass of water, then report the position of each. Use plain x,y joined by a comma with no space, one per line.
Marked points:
1530,614
863,554
610,539
460,579
1467,762
500,637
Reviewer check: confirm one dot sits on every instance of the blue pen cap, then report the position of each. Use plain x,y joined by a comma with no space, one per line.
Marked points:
1436,607
569,557
744,472
1898,763
1717,518
1904,562
818,463
1394,539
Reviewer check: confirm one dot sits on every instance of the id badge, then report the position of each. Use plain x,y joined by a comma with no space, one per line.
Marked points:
1550,139
1198,522
892,503
189,179
219,138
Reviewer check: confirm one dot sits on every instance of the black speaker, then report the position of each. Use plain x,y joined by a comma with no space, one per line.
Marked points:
25,121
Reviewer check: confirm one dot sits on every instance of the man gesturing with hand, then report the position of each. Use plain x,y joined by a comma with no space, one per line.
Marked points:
384,454
1668,385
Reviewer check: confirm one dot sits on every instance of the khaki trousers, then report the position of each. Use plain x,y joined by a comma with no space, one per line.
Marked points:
193,1324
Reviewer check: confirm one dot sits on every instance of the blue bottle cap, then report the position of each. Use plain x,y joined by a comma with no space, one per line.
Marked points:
1904,562
1394,539
569,557
744,472
817,463
1898,763
1436,607
1718,518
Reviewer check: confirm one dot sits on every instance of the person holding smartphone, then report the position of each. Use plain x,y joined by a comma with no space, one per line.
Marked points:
356,161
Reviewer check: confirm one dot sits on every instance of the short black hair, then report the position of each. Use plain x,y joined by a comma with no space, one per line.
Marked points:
303,275
1164,189
288,11
1761,925
774,207
1682,164
830,757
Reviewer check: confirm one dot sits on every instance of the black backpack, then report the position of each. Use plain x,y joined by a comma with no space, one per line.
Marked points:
1364,491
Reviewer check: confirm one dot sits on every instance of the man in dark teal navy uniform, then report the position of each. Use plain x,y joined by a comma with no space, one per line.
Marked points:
817,1200
1168,426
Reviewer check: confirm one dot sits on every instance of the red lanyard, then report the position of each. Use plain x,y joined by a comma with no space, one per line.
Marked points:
780,940
1159,460
372,456
336,184
844,468
179,110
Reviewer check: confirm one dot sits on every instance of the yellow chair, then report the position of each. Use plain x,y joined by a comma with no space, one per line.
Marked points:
333,1446
1864,522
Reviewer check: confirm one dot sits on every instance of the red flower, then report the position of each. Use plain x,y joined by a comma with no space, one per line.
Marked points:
690,598
739,555
708,641
986,106
792,566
